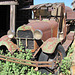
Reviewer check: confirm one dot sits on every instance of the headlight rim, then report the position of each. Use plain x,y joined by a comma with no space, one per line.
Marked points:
10,34
40,32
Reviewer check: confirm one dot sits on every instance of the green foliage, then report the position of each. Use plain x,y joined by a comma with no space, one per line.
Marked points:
67,62
9,68
33,72
71,49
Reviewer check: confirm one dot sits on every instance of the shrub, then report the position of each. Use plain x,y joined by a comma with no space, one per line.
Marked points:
67,62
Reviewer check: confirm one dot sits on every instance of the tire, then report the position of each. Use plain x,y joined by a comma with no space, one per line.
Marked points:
59,52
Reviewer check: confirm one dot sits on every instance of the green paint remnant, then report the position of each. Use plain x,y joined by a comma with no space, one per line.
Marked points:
5,43
20,28
24,28
27,27
12,46
50,45
1,43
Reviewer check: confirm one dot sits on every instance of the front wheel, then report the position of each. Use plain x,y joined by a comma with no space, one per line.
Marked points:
57,56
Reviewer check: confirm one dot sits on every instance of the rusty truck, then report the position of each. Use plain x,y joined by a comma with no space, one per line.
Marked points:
47,35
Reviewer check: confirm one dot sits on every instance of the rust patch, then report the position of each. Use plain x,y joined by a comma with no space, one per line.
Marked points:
6,41
25,27
71,15
50,45
45,27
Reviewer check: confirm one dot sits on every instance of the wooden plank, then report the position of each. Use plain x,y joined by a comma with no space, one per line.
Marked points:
8,3
12,18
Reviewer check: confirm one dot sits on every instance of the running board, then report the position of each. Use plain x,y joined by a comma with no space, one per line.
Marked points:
70,35
66,44
69,40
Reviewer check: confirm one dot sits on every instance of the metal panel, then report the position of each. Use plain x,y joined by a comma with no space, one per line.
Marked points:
6,41
50,45
45,27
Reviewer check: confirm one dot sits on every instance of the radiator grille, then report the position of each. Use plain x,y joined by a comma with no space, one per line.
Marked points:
23,35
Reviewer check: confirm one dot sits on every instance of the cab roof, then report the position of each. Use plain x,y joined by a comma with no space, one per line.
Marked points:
47,5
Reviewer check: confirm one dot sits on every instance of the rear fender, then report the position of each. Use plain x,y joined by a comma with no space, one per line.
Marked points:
50,45
6,41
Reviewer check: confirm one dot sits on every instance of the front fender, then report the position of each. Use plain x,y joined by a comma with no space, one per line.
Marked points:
49,45
6,41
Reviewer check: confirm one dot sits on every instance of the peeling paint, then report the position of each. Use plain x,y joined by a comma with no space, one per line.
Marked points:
50,45
24,27
6,41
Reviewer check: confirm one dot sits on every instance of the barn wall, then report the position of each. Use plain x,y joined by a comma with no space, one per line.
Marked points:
4,19
22,16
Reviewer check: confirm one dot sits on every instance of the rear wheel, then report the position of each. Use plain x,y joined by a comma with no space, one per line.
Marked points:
57,56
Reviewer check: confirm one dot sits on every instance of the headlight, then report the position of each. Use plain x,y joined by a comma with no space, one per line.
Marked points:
10,34
38,34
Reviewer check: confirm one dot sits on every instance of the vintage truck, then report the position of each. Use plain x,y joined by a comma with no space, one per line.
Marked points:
47,35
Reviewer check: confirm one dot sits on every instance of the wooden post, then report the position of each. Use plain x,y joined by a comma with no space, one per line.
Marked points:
12,18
